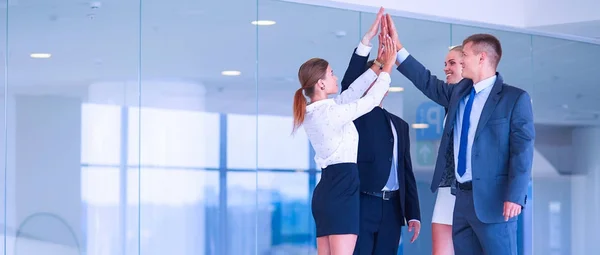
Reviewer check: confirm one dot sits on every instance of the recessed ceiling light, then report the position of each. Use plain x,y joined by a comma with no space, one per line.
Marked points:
231,73
263,22
40,55
420,125
396,89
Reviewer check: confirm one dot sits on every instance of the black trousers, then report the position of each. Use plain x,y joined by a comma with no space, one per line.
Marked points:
380,226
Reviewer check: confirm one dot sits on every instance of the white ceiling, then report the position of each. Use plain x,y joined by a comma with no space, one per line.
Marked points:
194,41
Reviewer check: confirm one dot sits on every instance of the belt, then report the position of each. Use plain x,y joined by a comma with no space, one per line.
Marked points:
465,186
385,195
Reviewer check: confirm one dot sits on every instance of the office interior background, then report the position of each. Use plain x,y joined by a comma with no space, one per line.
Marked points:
163,127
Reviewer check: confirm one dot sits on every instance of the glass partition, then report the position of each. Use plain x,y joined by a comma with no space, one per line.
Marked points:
153,127
3,133
286,173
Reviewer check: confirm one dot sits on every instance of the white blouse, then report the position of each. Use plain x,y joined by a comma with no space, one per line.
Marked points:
328,123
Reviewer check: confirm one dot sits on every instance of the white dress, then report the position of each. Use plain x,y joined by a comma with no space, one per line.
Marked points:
443,209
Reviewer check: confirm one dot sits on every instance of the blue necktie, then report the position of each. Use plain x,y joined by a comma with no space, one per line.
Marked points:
464,135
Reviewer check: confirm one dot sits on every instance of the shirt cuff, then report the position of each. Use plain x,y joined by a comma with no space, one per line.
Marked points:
363,50
384,76
402,55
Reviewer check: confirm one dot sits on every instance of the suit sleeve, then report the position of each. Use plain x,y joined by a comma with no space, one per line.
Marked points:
522,135
412,210
432,87
356,67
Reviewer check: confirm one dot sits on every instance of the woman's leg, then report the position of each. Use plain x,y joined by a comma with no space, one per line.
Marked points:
323,247
441,235
342,244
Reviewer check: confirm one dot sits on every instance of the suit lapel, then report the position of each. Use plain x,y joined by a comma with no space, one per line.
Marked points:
490,105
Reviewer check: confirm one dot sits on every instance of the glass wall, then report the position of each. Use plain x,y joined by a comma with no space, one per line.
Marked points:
163,127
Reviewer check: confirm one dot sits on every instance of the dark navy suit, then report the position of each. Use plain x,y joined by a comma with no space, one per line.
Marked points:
501,159
381,220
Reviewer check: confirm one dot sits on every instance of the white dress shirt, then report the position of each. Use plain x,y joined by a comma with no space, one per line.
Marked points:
329,122
392,183
482,92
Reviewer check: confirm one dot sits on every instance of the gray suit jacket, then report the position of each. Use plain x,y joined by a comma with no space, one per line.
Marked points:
502,151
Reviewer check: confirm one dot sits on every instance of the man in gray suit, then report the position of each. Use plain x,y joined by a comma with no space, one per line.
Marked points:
489,133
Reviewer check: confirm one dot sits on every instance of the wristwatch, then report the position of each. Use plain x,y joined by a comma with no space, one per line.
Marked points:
379,64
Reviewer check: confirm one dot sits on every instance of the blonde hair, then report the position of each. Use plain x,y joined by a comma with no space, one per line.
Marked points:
455,48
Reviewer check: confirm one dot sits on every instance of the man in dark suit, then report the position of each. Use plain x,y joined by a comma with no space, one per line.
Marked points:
489,133
388,188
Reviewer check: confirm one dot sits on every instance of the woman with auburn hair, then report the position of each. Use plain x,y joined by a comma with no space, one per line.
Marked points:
330,129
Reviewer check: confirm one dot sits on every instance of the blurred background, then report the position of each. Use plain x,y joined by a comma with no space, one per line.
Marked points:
163,127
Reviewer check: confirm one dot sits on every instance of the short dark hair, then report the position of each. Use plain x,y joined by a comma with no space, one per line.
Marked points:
488,43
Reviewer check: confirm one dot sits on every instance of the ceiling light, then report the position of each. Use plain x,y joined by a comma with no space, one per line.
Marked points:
263,22
420,125
231,73
40,55
396,89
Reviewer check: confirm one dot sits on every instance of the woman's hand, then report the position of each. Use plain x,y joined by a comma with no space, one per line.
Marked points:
366,40
388,57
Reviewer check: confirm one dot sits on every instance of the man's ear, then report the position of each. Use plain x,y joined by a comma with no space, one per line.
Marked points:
483,56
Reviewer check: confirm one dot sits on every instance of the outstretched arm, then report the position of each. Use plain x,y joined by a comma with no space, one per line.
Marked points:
342,112
358,63
433,87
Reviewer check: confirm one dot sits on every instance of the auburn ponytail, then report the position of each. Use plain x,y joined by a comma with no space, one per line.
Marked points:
299,109
309,74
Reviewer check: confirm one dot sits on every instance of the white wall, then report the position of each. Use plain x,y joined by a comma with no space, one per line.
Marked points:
511,13
545,13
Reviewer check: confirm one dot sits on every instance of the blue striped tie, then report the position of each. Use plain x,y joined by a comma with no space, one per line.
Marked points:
464,135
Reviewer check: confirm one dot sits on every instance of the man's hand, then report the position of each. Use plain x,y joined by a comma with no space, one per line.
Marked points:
511,210
392,31
366,40
416,225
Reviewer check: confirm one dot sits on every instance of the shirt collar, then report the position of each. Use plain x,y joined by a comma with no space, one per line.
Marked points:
484,84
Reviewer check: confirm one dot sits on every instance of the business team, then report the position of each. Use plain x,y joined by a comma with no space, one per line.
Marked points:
368,189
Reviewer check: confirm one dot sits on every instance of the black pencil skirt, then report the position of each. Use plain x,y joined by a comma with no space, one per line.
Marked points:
335,201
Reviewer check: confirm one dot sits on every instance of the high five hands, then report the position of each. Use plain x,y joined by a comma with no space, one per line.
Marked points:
385,25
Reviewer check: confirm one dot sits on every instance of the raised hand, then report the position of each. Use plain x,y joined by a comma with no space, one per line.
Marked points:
380,48
384,31
389,54
366,40
391,28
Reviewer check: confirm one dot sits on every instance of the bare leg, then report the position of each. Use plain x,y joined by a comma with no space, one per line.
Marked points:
323,246
441,235
342,244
